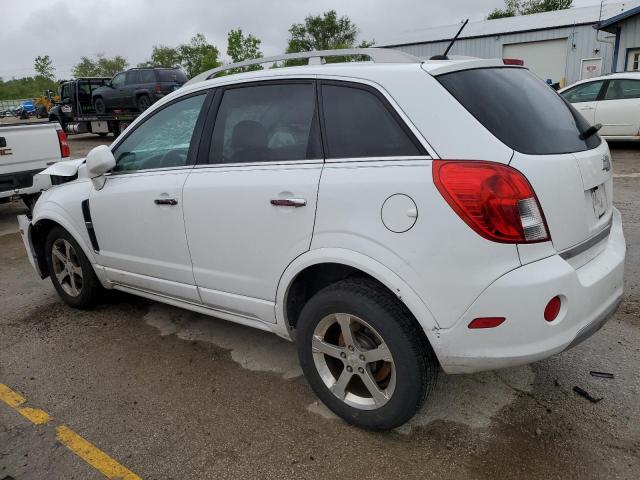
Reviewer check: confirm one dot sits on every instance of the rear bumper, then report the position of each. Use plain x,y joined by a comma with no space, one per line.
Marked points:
590,296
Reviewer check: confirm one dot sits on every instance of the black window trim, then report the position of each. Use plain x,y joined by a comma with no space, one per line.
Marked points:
194,145
202,160
423,153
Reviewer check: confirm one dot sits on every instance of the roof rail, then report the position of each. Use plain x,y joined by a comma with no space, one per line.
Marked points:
377,55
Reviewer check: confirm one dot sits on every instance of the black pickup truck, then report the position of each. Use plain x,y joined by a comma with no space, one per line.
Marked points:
76,114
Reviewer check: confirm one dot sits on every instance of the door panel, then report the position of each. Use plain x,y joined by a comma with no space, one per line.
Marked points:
137,214
140,240
619,110
240,243
587,110
250,211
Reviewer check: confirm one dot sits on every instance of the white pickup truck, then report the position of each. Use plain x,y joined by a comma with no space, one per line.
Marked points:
25,150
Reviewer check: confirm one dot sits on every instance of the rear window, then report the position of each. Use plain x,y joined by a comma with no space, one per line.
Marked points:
520,109
177,76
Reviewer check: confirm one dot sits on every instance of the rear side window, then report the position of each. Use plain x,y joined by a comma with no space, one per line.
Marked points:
147,76
174,75
520,110
587,92
266,123
359,124
133,77
623,89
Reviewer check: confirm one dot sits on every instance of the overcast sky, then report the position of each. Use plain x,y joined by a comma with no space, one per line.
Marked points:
66,30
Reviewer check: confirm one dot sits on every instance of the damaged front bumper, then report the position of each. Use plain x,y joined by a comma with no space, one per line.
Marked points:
25,228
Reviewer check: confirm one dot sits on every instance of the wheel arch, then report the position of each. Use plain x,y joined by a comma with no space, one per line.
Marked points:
343,263
42,225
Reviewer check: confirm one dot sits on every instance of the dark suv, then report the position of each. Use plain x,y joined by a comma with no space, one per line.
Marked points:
137,88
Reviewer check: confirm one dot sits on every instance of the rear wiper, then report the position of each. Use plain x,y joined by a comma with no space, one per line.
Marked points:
592,130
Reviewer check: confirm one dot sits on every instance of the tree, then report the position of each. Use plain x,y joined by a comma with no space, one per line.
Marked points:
527,7
163,56
108,67
323,32
44,67
538,6
198,55
241,48
101,66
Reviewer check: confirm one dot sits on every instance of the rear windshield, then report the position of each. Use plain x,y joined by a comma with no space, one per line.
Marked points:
520,109
177,76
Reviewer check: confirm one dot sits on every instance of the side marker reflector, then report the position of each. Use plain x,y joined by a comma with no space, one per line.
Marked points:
486,322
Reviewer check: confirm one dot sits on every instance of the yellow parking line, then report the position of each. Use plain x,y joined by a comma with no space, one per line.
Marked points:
93,456
14,400
74,442
10,397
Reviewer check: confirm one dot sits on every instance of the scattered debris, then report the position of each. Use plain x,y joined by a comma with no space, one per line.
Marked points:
538,432
601,374
585,394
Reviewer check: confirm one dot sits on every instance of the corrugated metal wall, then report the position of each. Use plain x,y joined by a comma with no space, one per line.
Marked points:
629,38
582,41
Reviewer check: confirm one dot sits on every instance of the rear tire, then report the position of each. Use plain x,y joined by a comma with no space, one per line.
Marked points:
383,373
143,102
99,106
70,270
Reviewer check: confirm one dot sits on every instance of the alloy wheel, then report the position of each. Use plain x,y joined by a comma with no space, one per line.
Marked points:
66,267
353,361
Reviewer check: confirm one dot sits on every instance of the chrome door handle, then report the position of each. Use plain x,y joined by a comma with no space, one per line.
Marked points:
288,202
165,201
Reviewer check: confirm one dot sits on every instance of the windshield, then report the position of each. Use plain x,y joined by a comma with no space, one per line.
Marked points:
521,110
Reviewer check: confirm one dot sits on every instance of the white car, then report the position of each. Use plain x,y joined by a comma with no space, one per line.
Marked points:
339,206
612,101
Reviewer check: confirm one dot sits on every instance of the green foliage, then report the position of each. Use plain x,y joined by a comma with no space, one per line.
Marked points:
44,67
198,55
323,32
163,56
528,7
101,66
241,48
194,57
28,87
538,6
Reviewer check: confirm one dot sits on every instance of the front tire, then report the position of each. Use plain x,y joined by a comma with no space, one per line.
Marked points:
364,355
70,270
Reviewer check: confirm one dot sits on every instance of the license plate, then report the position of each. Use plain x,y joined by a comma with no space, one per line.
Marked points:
599,199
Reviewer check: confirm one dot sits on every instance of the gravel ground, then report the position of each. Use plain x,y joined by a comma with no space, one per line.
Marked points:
175,395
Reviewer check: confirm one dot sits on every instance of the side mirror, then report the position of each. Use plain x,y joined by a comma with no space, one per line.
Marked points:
100,160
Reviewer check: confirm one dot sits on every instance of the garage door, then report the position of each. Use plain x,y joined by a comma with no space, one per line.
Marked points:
547,58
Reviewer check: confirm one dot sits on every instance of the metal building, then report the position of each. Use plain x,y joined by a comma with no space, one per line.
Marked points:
563,46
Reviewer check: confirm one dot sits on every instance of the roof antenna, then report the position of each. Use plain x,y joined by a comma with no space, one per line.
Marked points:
444,55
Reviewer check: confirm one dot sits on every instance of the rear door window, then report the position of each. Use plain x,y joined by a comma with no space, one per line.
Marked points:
147,76
623,89
358,123
586,92
133,77
266,123
520,110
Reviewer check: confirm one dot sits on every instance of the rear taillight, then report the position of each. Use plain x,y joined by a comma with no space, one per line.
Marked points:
495,200
513,61
158,88
65,151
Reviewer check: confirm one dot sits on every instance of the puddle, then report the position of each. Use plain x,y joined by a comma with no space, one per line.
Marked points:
471,400
252,349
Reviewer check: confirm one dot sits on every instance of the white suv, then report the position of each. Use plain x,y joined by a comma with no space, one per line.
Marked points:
392,218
